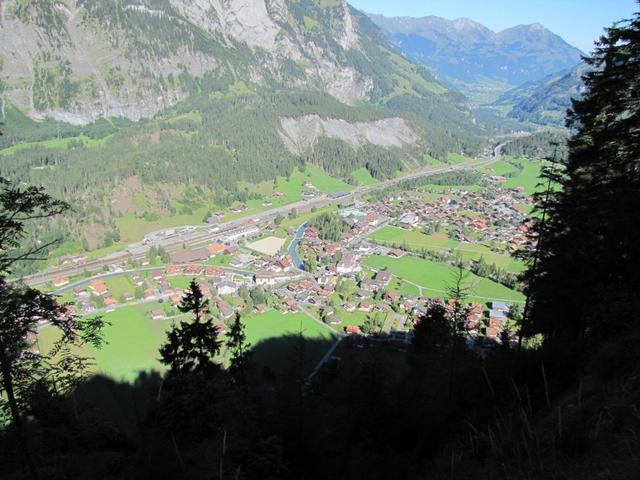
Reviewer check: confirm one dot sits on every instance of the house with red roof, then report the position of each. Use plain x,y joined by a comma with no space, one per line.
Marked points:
98,287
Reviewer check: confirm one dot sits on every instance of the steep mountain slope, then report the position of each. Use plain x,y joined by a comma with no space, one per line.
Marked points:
546,101
78,60
476,59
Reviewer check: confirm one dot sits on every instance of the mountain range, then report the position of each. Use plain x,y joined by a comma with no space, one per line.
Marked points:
473,58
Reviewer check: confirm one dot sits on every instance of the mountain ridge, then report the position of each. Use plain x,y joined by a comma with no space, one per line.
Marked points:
79,60
477,60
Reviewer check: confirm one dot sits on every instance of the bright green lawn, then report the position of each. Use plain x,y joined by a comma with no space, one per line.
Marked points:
56,143
356,318
363,177
271,334
221,260
401,287
456,158
181,282
324,182
132,342
133,229
119,285
528,178
437,277
416,241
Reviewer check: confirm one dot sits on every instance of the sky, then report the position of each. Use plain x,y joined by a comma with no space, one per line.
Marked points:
579,22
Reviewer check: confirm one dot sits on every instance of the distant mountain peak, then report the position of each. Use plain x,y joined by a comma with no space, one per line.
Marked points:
472,57
467,23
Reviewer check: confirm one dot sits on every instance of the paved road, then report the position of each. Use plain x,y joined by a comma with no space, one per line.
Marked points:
71,286
326,357
204,234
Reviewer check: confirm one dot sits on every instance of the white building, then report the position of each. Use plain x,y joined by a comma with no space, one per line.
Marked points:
227,288
348,264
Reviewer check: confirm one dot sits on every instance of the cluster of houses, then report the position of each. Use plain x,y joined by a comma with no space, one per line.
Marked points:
492,214
483,327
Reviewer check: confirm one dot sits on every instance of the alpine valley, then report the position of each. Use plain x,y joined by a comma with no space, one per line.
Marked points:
147,113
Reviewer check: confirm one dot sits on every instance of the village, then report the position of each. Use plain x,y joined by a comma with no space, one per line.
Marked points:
329,275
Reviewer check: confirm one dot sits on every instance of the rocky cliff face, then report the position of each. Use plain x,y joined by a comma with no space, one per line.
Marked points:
300,134
78,60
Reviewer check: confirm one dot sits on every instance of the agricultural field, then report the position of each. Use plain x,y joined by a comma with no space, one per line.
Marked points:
291,188
133,229
416,241
129,326
221,260
120,285
435,278
180,282
403,288
56,143
363,177
455,158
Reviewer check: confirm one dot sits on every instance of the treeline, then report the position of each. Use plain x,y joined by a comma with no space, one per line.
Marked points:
18,128
459,178
447,405
547,145
454,179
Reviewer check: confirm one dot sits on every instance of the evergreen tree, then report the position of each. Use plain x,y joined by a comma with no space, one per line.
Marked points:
24,371
192,346
431,334
20,207
240,352
583,279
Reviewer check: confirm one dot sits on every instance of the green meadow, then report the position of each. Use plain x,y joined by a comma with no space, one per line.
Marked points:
416,241
527,178
271,335
132,339
436,278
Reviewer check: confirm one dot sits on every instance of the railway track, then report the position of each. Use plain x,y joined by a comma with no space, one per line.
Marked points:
199,236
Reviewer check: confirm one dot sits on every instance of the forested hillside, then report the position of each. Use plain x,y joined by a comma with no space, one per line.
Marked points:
545,102
208,145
